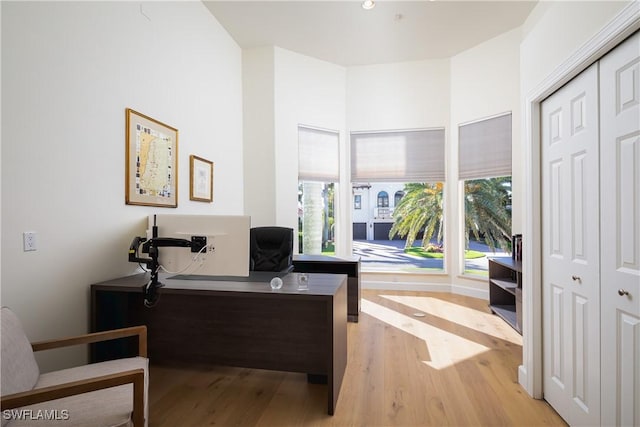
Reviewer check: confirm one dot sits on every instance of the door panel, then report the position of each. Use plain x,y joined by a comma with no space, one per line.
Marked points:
620,230
571,264
578,208
557,339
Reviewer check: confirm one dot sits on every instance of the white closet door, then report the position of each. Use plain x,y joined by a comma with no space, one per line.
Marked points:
620,213
570,245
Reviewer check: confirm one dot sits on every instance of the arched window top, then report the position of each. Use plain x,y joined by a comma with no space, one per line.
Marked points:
383,199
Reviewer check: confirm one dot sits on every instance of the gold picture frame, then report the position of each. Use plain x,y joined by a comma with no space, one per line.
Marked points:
200,179
151,176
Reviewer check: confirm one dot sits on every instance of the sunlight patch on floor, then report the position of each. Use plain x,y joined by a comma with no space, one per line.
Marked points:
445,348
486,323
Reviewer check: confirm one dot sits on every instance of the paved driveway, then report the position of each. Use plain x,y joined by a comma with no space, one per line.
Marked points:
388,255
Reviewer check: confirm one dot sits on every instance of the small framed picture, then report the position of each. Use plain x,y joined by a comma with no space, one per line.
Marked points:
151,172
201,179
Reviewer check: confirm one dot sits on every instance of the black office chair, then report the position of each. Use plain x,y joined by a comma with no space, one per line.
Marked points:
271,249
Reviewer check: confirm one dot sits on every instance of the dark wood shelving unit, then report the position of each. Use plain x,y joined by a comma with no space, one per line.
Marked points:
505,290
331,264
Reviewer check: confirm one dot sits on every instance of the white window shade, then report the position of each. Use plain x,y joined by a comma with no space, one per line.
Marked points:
398,156
484,149
318,155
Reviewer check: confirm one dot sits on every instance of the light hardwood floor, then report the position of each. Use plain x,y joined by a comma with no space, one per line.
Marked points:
455,366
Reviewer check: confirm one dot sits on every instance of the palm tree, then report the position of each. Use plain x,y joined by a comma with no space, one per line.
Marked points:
315,219
487,212
312,217
420,209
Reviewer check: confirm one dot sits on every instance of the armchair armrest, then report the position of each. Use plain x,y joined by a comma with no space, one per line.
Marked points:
140,331
39,395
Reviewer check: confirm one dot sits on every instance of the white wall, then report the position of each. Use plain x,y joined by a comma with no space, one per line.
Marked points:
555,30
406,95
484,82
69,70
311,92
0,158
259,135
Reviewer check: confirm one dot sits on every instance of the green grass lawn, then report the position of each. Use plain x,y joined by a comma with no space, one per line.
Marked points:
329,250
483,273
439,255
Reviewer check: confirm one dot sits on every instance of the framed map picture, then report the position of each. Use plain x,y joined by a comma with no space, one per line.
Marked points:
151,162
201,179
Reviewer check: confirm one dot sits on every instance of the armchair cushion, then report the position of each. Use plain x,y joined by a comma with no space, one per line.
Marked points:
20,370
112,406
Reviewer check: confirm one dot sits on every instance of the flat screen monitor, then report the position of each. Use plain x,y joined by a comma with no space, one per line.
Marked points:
227,239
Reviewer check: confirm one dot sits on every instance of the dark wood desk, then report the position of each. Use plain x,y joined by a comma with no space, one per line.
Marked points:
244,324
331,264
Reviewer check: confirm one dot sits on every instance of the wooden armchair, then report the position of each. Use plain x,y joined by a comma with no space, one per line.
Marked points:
111,393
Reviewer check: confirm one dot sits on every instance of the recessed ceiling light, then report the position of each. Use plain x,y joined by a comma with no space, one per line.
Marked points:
368,4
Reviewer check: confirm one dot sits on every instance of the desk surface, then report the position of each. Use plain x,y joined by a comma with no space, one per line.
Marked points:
318,284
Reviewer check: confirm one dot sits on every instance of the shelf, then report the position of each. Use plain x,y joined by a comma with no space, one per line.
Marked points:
508,285
508,313
505,286
508,262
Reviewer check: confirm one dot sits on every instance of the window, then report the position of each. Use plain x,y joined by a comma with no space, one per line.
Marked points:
318,173
383,199
485,171
410,166
357,201
316,222
397,197
487,215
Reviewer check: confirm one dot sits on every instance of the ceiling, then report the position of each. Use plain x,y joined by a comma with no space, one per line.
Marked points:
343,33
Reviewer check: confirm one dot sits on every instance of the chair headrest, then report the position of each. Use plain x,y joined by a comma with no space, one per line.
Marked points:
271,248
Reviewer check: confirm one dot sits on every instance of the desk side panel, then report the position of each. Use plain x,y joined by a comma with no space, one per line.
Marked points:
110,310
338,317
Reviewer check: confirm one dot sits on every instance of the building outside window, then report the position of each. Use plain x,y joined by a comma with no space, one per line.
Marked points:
397,197
383,199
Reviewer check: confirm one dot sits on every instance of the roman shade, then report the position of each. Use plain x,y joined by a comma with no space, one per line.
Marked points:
484,148
398,156
318,155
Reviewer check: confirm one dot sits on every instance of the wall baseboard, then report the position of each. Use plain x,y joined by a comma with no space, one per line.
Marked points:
470,292
406,286
427,287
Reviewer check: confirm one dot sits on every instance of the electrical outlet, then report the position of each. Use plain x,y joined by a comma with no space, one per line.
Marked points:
29,241
198,243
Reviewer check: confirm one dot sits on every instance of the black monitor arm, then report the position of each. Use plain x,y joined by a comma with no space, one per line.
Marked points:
151,246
